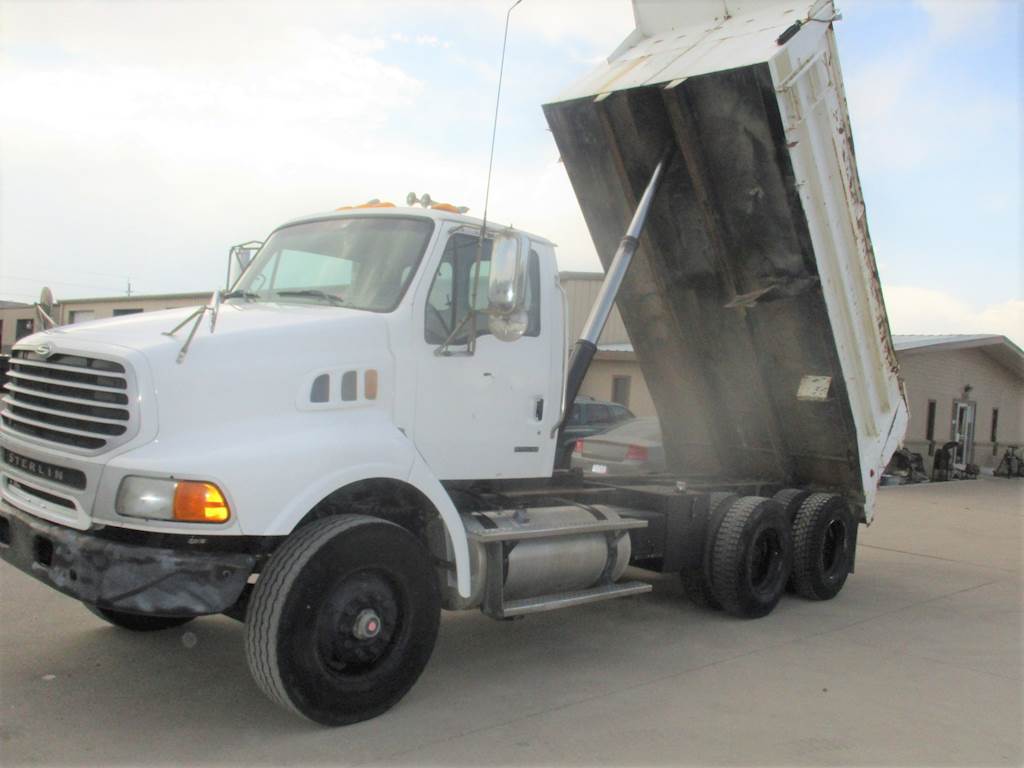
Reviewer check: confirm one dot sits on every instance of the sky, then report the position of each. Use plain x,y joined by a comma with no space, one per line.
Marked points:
138,141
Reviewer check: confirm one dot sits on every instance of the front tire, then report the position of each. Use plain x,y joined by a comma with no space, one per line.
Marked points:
137,622
343,619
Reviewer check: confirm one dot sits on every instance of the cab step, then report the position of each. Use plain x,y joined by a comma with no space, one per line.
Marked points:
528,605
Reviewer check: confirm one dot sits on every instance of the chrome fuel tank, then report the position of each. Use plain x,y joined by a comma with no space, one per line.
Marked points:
542,566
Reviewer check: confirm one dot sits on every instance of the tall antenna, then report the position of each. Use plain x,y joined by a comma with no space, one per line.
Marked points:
487,191
497,104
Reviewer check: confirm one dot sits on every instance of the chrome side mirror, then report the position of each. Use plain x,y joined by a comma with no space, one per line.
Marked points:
506,289
507,282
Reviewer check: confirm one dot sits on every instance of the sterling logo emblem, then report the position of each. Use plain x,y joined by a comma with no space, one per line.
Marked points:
44,350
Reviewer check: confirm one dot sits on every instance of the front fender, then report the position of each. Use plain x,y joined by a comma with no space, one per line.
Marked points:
273,475
419,476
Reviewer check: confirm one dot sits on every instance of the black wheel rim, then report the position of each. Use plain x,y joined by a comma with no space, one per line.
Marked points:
359,625
765,564
833,547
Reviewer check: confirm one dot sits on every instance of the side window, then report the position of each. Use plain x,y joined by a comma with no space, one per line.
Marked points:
575,416
532,303
451,291
619,413
599,414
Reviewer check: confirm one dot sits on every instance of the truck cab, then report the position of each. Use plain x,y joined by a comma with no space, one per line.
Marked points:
343,352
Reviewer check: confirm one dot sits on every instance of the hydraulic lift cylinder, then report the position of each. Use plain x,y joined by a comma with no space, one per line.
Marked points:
586,346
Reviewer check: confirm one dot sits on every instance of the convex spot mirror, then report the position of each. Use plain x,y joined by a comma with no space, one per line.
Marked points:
506,289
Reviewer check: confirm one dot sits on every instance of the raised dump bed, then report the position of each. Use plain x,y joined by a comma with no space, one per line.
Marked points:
753,302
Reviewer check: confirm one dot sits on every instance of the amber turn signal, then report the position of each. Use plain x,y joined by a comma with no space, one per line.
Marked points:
199,503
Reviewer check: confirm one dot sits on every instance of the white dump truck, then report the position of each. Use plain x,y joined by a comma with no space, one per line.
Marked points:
362,431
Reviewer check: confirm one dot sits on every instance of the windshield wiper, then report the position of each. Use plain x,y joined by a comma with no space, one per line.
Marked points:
240,295
329,297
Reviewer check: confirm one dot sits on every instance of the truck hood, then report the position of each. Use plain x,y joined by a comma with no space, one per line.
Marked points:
147,332
258,363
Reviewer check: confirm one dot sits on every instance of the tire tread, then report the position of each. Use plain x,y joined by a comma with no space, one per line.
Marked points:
263,617
727,553
803,531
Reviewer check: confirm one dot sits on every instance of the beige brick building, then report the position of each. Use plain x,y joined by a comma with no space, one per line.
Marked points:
615,374
964,389
18,320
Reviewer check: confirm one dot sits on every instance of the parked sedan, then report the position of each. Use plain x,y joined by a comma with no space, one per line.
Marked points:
588,417
632,448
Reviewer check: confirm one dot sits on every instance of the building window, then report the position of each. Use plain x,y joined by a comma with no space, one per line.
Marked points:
23,328
620,390
929,434
119,312
82,315
995,432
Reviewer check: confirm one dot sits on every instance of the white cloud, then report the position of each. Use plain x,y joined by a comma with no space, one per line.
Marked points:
914,309
157,135
950,19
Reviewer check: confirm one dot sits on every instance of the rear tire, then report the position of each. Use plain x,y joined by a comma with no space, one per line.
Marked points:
791,499
823,542
137,622
343,619
752,558
696,583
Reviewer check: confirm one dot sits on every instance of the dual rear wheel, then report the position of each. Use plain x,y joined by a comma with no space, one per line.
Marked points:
757,546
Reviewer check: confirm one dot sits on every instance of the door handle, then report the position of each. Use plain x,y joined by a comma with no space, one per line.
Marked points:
538,409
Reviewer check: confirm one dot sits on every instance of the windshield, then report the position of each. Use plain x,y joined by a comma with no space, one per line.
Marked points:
362,263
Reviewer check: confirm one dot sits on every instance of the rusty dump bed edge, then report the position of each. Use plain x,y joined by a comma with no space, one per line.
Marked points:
753,302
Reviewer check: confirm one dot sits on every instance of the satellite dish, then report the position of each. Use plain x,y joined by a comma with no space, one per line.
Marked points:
46,301
44,309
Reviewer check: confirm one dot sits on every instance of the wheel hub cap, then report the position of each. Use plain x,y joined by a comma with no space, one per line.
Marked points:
367,625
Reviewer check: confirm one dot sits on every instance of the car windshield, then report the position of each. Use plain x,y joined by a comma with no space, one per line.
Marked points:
360,263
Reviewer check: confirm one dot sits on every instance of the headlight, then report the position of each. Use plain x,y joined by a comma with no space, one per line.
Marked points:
179,500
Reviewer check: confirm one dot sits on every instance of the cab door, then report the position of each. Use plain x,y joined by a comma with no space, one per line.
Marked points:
484,410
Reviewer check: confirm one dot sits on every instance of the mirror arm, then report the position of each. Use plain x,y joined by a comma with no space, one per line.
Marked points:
442,350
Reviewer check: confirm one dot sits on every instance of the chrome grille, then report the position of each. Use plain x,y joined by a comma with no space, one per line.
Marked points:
74,400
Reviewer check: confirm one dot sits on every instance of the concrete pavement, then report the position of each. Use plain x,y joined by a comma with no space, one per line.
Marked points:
918,661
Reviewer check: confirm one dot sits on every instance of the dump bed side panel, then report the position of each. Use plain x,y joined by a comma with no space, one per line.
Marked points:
724,302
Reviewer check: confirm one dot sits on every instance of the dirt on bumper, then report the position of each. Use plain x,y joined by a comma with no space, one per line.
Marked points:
123,576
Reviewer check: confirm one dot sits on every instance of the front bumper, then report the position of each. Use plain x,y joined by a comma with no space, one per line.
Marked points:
123,576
